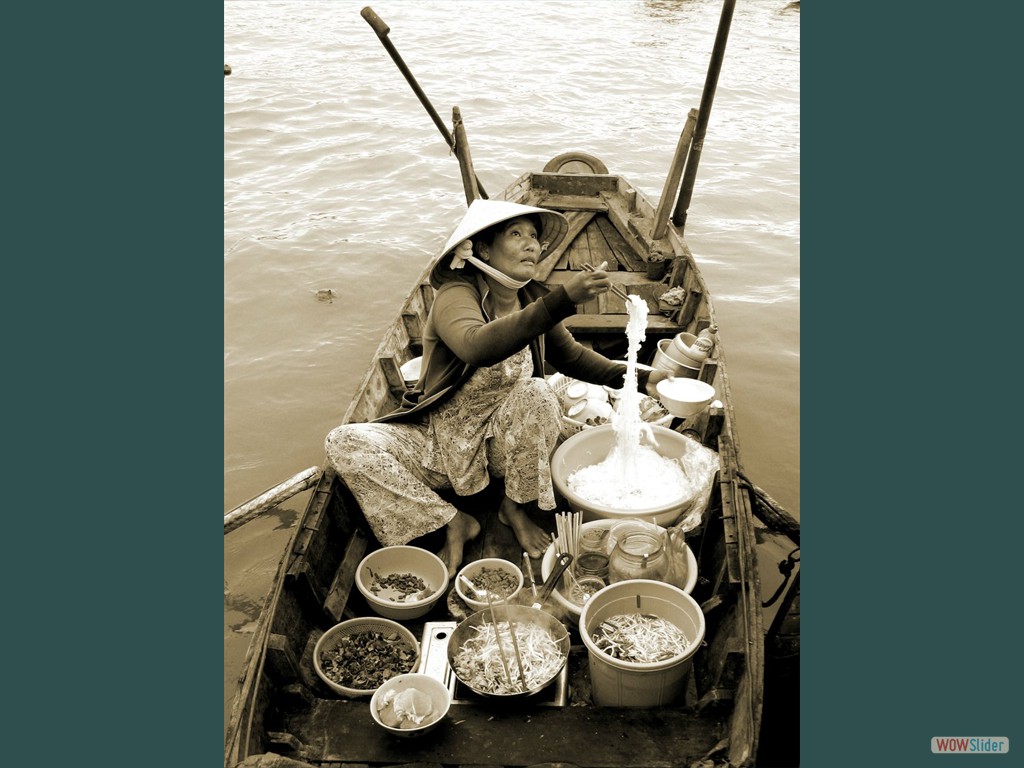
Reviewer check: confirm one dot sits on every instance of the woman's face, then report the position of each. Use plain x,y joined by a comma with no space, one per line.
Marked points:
516,249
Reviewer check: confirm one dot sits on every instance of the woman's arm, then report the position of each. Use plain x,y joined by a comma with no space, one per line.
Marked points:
573,359
460,323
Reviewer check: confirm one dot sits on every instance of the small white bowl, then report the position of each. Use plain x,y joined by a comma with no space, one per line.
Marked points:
473,570
402,559
685,397
586,410
440,700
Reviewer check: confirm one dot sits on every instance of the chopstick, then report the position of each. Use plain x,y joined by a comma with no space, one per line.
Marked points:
515,646
614,289
497,635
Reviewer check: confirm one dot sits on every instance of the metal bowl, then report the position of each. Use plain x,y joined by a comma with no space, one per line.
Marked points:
522,616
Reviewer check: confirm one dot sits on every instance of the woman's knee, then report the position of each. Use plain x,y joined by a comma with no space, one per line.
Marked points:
537,395
345,444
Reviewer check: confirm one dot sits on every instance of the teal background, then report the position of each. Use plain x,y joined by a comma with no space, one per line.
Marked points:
113,357
113,330
910,514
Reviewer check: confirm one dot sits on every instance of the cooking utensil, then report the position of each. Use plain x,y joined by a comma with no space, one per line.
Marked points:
562,562
528,570
522,616
614,289
494,623
486,594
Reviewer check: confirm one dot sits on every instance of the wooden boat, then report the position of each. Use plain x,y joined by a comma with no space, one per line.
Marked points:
283,709
284,716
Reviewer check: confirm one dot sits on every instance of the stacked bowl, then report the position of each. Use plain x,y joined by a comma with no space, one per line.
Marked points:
674,355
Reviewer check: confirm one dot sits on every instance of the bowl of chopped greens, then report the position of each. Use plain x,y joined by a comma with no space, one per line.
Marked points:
501,578
402,582
357,656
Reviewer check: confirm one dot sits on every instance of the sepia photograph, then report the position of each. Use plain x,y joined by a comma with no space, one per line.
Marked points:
512,383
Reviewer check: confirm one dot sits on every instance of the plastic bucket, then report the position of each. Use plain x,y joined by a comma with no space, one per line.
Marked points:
621,683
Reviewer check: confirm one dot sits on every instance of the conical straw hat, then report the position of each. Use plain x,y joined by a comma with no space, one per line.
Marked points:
485,213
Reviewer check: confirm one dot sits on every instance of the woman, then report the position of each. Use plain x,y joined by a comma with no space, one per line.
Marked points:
481,408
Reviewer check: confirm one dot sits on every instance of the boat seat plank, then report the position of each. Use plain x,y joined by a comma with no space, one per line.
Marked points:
575,183
568,203
616,324
344,731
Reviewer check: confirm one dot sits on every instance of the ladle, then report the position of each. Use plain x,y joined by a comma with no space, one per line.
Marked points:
562,562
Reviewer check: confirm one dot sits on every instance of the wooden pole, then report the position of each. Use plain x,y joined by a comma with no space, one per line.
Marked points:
382,30
706,99
469,182
268,500
675,172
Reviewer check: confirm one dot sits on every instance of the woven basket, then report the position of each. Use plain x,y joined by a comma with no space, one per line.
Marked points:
330,639
559,384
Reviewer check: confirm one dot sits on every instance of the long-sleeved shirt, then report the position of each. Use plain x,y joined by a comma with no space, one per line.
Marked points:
460,336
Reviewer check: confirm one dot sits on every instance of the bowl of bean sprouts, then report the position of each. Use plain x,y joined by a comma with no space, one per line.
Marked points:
485,658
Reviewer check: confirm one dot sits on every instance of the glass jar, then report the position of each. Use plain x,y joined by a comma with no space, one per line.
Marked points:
638,555
592,559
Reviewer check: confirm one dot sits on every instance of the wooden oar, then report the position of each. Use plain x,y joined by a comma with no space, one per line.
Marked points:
675,173
469,180
382,31
703,113
256,506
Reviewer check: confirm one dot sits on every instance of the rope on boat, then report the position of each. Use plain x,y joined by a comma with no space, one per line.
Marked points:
786,569
779,521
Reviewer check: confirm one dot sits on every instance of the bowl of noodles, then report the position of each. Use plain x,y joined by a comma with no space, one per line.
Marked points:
485,661
659,479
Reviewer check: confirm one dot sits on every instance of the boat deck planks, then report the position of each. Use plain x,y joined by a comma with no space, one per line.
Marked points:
343,731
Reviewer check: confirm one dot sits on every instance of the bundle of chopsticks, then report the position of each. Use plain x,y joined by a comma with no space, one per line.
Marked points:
614,289
567,538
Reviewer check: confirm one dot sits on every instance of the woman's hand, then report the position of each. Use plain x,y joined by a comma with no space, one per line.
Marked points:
652,380
584,286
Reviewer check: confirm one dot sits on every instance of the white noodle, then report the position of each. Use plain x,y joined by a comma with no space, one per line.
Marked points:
633,476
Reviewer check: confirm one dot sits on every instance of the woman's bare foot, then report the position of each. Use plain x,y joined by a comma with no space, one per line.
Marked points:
530,536
460,529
